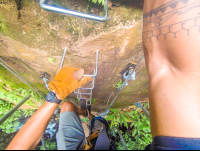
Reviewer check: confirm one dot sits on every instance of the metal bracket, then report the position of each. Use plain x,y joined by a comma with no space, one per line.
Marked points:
127,74
45,77
64,11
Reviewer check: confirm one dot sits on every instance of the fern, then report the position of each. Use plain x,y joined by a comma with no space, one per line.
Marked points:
98,1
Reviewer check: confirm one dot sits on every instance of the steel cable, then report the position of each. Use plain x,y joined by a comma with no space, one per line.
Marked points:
122,86
22,78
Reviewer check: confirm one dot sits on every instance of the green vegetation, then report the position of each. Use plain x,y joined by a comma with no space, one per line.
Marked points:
138,133
5,139
119,84
85,120
12,91
50,145
51,60
98,1
118,117
93,101
138,14
11,124
3,26
16,95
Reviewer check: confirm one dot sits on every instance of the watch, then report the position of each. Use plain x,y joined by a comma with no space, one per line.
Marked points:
51,97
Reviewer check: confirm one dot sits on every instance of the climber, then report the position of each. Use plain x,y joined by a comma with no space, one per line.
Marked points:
70,135
172,51
171,48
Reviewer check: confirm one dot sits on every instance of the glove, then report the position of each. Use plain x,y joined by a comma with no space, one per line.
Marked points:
66,81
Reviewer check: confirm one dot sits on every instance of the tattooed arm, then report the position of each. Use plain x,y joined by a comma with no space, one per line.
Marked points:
171,41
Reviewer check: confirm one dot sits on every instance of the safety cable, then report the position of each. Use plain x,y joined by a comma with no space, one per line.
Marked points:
22,78
122,86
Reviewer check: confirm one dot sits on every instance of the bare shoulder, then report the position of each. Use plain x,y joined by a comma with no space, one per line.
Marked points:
171,32
171,40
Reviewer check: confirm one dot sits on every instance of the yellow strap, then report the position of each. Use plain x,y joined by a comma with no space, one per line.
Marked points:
88,144
87,147
93,136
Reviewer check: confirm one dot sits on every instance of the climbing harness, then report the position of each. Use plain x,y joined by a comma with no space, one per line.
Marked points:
100,137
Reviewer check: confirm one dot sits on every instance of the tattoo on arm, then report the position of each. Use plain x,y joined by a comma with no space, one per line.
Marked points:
160,21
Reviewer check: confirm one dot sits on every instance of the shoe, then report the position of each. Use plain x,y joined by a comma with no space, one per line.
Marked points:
82,104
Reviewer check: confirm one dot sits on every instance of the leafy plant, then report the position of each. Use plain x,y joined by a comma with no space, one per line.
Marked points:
85,120
16,95
50,145
137,14
98,1
140,136
145,104
93,101
118,117
10,124
5,140
119,84
51,60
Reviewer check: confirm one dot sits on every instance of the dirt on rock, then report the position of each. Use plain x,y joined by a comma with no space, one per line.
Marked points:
37,36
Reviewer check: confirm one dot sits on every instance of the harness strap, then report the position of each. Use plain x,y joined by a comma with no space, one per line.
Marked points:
102,142
88,144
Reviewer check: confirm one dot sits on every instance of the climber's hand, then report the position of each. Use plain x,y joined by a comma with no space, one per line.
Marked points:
67,80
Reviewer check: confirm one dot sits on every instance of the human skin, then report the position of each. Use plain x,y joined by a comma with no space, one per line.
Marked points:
31,133
171,37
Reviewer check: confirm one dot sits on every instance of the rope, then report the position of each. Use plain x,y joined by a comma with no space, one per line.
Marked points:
22,78
122,86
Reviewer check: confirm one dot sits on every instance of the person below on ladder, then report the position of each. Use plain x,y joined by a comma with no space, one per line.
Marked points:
70,135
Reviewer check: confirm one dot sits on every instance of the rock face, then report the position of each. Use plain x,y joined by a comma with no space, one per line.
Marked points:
39,36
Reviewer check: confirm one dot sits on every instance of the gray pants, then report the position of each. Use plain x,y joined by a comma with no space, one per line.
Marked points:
70,135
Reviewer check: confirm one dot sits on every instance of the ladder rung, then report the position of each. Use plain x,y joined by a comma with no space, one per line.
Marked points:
84,93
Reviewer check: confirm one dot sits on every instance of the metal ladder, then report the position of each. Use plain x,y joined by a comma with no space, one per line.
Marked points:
81,91
64,11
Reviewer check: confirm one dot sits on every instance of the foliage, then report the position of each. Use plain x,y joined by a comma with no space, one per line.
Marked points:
145,104
118,117
138,14
50,145
85,120
10,124
5,140
141,133
93,101
16,95
5,106
3,26
138,133
98,1
119,84
13,91
51,60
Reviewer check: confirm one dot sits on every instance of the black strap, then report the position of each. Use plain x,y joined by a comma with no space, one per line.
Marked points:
102,142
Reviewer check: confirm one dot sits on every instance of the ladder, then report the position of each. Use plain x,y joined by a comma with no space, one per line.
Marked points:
84,92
